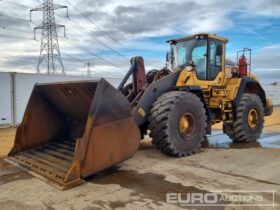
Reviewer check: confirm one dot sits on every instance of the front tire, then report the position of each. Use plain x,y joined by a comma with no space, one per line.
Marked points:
178,123
249,121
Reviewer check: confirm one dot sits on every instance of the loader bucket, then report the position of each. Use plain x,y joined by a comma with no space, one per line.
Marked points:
73,130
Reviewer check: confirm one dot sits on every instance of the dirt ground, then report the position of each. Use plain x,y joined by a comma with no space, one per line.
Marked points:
143,181
6,140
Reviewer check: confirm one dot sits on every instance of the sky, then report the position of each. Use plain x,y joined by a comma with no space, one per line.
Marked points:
107,33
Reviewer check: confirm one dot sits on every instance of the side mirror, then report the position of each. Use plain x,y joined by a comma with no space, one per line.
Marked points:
219,50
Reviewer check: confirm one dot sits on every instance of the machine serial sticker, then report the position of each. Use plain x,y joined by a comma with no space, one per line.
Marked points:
142,112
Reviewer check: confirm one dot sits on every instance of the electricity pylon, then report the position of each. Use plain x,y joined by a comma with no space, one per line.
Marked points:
49,50
88,69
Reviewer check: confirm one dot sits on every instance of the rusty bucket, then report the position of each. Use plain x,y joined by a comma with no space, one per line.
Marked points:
73,130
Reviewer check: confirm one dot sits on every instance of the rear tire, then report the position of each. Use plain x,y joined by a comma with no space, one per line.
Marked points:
177,122
248,125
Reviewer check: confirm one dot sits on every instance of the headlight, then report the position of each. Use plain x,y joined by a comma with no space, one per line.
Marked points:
189,68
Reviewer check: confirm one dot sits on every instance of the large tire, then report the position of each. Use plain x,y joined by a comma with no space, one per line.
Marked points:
168,133
248,125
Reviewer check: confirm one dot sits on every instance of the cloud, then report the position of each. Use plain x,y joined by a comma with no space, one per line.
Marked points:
267,8
7,21
92,5
267,58
116,30
160,18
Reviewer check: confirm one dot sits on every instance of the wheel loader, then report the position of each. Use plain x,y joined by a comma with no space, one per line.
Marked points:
73,130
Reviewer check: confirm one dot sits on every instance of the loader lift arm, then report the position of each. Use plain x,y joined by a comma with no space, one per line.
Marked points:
139,80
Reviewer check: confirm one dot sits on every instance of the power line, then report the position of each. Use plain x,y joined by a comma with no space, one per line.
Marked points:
15,37
5,29
16,18
73,57
89,20
82,29
91,53
99,27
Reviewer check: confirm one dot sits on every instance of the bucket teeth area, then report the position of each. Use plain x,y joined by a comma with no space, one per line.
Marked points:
52,161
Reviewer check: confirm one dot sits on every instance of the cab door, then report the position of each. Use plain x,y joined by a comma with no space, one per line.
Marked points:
211,73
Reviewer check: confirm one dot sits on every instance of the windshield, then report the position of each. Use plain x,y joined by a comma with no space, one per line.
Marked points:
191,50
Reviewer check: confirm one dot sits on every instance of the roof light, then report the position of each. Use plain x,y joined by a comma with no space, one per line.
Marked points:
189,68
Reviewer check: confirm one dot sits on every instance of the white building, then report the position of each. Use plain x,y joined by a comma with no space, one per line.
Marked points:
15,90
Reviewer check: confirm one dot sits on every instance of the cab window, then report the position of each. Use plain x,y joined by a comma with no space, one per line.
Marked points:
199,58
182,55
215,59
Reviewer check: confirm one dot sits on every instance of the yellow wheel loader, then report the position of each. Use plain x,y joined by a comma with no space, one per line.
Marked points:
75,129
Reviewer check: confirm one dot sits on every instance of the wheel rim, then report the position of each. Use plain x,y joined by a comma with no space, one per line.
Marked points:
253,118
186,125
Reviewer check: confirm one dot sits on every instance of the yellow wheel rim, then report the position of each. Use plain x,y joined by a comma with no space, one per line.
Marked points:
186,124
253,118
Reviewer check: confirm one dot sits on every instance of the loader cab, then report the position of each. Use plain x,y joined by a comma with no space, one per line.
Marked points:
202,53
